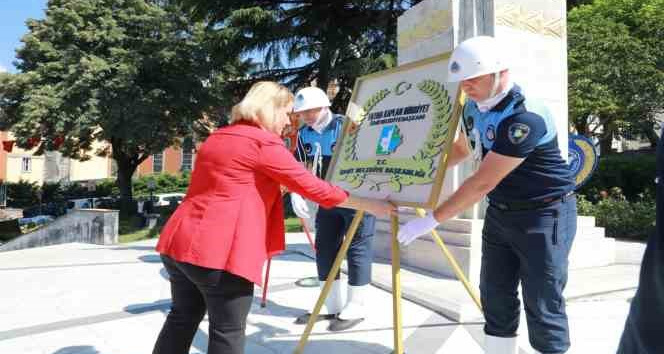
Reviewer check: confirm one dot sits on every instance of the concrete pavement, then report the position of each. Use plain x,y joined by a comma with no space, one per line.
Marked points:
90,299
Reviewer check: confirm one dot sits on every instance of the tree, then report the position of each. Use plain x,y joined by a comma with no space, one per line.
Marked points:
616,67
131,73
574,3
311,40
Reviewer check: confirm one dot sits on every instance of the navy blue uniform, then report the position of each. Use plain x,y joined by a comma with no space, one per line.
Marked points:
529,225
332,224
643,332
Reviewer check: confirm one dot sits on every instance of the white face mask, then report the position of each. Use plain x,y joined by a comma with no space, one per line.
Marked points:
486,105
324,119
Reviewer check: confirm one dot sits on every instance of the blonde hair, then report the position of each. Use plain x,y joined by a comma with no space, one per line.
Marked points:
259,104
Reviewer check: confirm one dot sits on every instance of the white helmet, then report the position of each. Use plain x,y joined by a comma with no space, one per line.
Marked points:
475,57
310,97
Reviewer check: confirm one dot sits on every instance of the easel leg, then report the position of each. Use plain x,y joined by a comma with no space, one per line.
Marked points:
330,279
455,266
267,278
306,232
396,288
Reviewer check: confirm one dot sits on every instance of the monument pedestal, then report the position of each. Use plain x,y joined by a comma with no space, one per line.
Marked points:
463,237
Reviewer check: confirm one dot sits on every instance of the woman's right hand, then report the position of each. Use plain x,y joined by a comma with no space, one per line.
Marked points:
377,207
380,208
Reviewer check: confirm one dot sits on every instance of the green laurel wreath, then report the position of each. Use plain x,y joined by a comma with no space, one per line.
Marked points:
441,119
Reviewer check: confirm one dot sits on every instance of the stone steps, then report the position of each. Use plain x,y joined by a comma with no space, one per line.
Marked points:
463,239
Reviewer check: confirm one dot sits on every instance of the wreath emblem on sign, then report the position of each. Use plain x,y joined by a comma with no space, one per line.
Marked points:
437,136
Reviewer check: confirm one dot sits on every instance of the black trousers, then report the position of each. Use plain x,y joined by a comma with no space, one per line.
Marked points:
530,247
194,290
331,227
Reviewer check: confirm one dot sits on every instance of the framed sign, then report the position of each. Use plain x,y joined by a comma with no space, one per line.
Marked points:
399,133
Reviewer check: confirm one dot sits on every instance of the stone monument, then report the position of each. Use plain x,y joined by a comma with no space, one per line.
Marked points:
534,35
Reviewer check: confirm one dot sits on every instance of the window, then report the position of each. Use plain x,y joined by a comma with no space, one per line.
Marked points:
187,155
158,162
26,164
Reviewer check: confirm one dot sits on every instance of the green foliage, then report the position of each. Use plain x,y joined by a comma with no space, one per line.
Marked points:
293,225
22,194
131,229
107,187
620,217
51,192
75,191
164,183
633,173
616,66
26,194
131,73
574,3
326,39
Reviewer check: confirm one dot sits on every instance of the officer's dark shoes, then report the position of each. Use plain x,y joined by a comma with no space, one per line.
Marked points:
338,324
304,319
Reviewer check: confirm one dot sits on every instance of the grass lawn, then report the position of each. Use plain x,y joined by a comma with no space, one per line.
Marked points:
141,234
293,225
130,231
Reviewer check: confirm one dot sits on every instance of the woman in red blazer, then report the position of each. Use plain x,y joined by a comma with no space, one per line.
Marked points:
231,220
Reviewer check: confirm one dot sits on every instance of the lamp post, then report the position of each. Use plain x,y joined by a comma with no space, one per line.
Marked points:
151,188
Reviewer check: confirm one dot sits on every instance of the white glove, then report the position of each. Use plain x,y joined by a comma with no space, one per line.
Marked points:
416,228
300,206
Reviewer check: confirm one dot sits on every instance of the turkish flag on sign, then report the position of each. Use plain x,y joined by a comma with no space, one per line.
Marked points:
8,145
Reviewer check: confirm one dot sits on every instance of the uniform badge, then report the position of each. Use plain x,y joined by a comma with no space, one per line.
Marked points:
307,148
299,99
455,67
518,132
582,158
333,146
491,133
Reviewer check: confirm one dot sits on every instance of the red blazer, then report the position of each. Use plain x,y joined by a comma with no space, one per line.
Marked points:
233,217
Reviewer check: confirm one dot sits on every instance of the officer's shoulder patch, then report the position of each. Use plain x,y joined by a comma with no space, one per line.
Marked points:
518,132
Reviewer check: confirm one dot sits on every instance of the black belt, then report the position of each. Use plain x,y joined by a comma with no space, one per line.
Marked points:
514,206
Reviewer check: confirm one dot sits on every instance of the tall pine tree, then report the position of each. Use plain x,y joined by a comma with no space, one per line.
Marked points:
302,41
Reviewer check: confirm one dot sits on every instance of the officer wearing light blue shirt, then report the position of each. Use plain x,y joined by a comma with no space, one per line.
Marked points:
315,148
530,222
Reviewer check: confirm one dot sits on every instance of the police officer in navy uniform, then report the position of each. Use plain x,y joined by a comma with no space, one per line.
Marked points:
643,332
315,147
530,222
